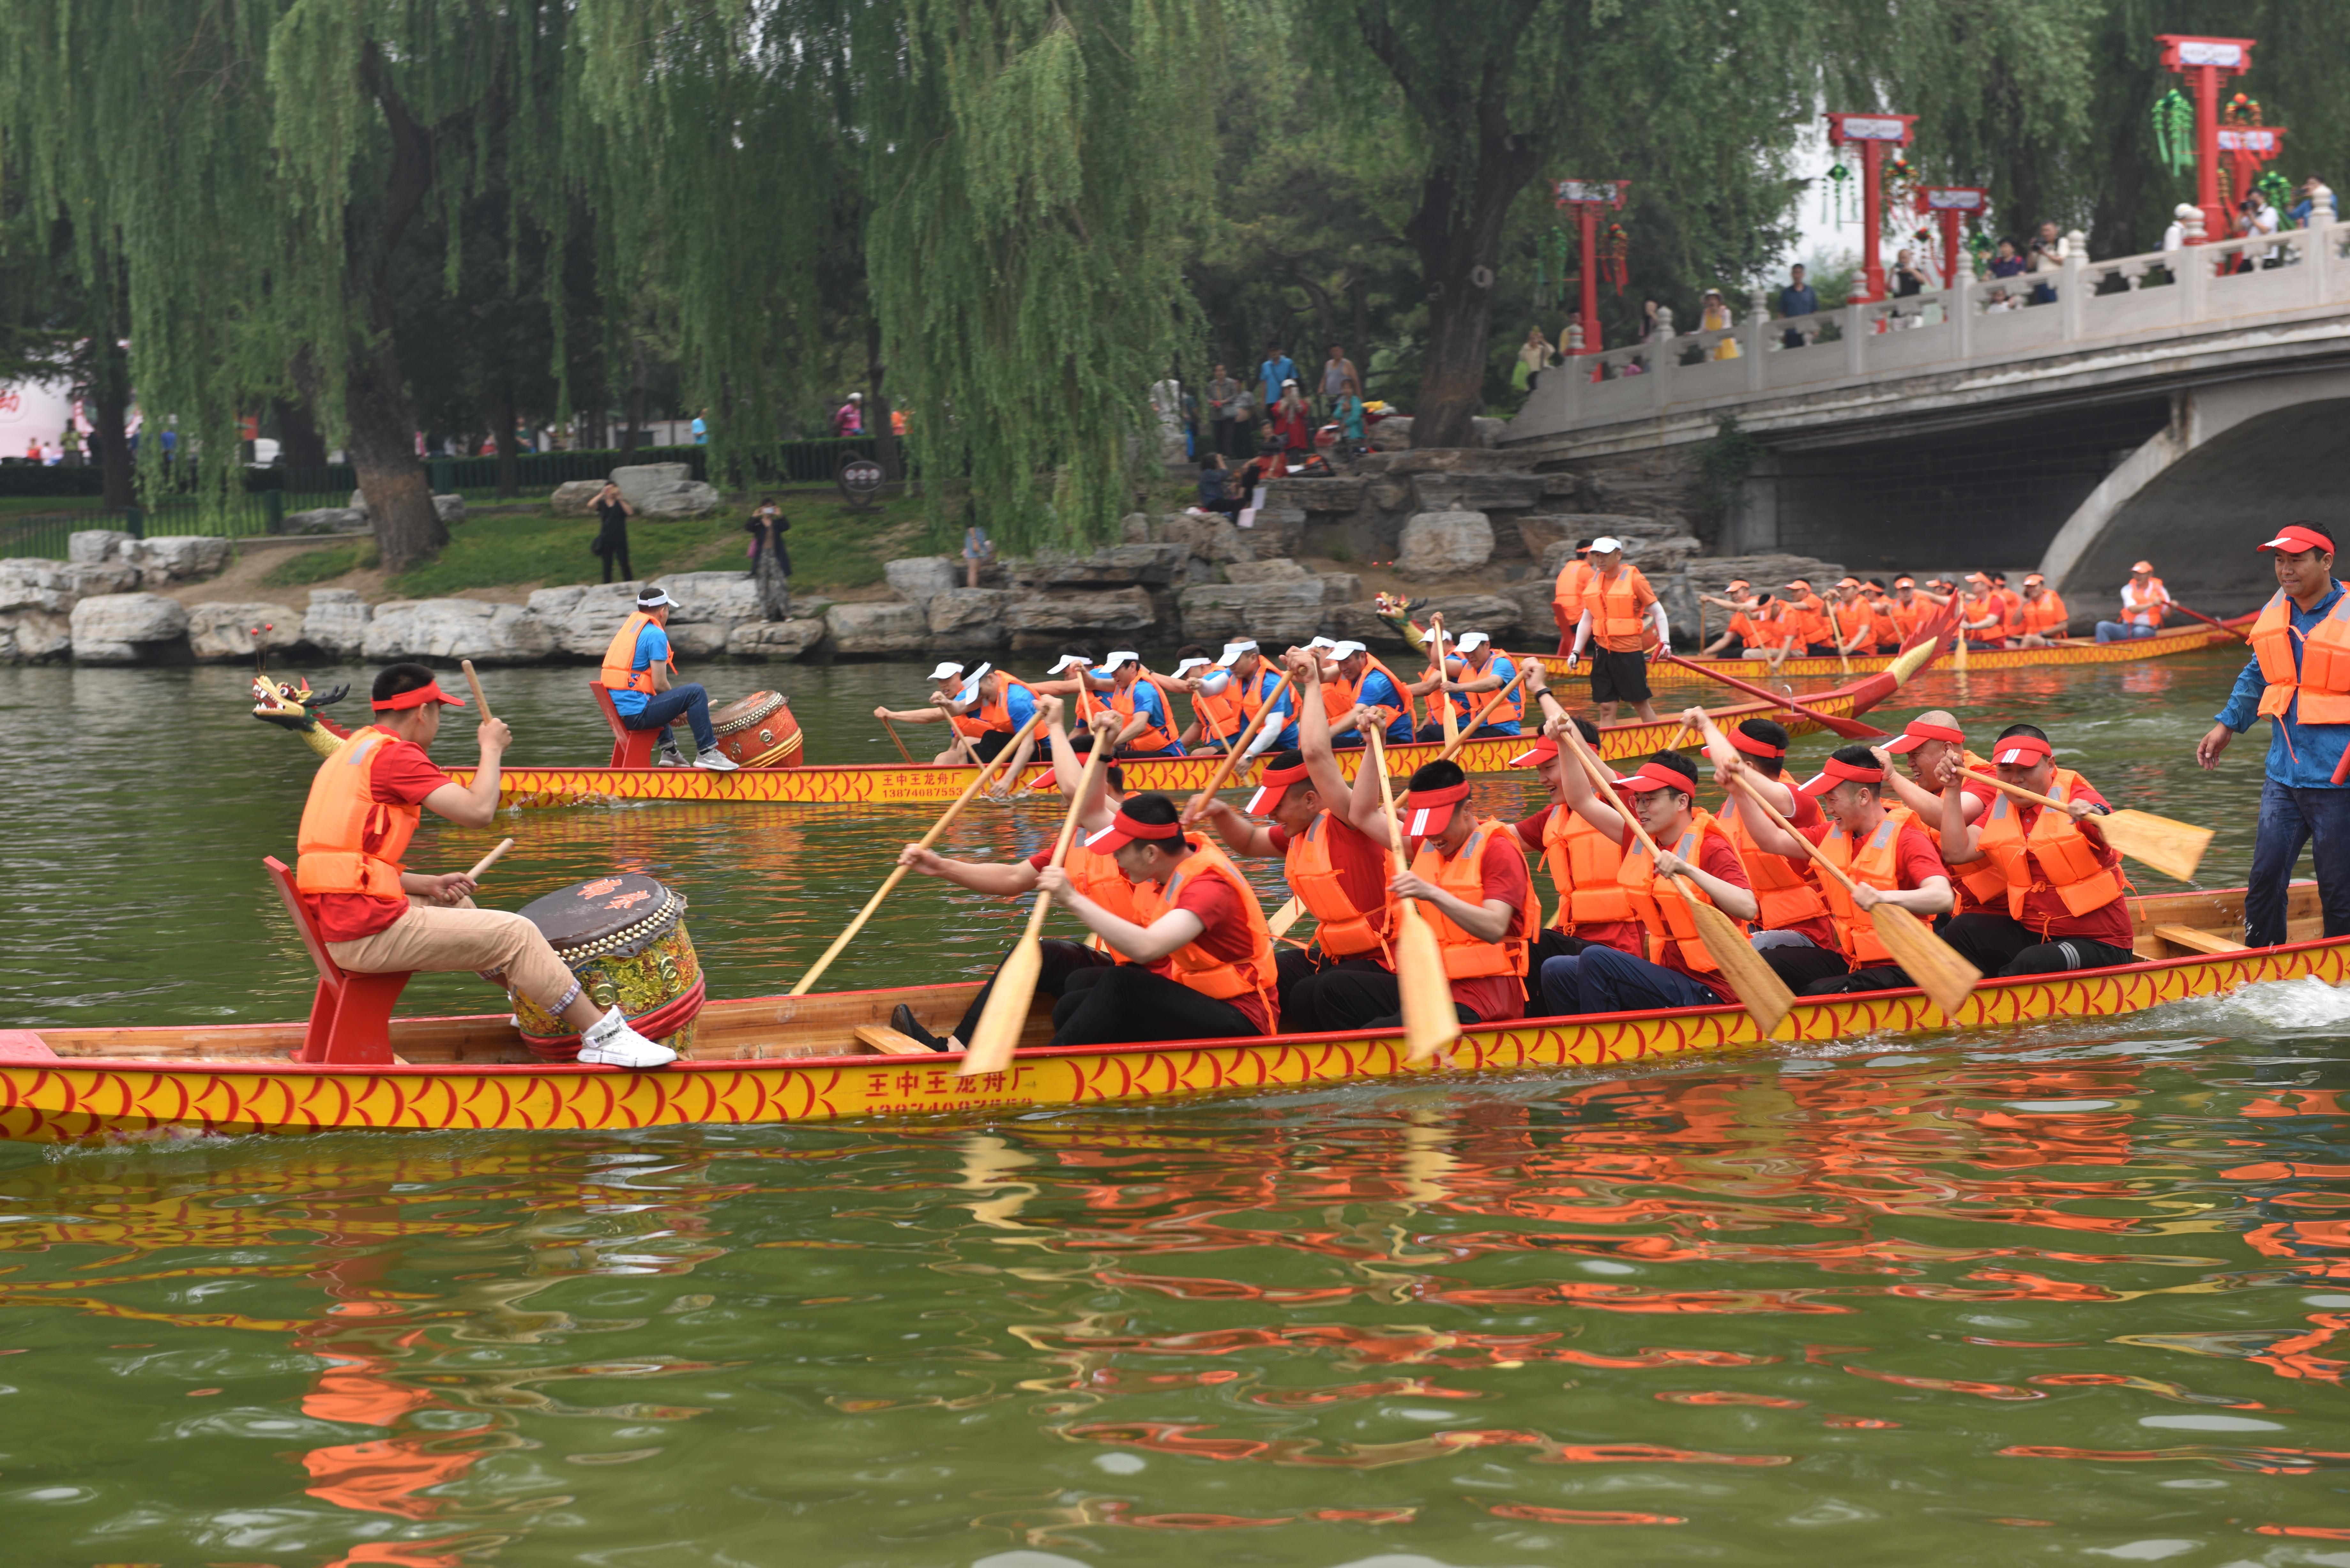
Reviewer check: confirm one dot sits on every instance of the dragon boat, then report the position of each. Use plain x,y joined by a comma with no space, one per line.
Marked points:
920,783
2072,651
833,1057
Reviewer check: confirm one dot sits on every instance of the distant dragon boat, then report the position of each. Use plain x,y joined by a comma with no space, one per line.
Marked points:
920,783
833,1057
2072,651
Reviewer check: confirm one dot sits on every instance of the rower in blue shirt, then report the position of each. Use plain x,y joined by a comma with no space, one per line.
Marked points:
1253,680
2299,677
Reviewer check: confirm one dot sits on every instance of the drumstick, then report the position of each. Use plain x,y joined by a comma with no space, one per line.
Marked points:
486,861
474,681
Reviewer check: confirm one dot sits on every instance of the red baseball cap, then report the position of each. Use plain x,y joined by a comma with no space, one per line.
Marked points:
1273,785
2020,750
1542,751
1124,830
1655,775
2149,565
1833,773
428,692
1917,732
2295,537
1432,809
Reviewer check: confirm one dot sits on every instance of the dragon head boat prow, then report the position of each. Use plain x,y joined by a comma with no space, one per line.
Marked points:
296,708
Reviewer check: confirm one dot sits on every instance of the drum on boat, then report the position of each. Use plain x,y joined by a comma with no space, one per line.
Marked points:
624,936
758,732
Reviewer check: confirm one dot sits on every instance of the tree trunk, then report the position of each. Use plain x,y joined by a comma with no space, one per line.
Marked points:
1459,245
383,451
878,423
501,419
635,436
110,420
300,444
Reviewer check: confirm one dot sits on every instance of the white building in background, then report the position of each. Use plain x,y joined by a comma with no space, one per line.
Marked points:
37,411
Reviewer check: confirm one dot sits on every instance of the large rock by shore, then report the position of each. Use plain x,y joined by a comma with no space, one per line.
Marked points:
456,628
127,628
221,632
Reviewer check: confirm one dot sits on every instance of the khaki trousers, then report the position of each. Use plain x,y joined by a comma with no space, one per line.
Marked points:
436,938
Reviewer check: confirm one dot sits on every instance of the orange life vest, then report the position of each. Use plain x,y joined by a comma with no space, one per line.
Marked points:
1879,863
1906,618
993,715
339,815
1583,863
1343,930
2068,861
1151,738
620,659
1978,884
1468,956
1807,617
1223,979
2143,607
1880,619
1096,876
1787,890
2042,617
1669,925
1619,622
1256,691
1218,713
1512,710
2320,679
1340,695
1981,607
1568,591
1854,620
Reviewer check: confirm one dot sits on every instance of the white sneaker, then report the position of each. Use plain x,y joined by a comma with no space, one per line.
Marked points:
715,761
671,757
610,1042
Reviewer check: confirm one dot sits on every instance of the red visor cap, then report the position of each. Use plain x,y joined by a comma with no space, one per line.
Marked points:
428,692
1917,732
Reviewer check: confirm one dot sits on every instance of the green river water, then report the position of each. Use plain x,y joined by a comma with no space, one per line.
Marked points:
2077,1292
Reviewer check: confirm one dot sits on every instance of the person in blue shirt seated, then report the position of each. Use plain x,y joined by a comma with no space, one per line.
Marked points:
1354,680
1253,680
1145,721
1475,670
2299,679
637,668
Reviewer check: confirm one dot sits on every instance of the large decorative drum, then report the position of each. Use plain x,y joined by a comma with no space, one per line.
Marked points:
758,732
624,937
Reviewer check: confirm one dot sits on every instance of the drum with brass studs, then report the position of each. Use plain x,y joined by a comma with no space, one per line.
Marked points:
624,936
758,732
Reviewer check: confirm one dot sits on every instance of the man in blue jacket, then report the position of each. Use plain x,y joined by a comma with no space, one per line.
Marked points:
1277,367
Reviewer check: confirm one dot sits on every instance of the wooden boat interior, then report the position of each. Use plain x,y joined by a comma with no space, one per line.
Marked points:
856,1024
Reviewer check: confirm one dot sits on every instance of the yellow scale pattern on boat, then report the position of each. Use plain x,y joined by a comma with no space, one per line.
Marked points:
1753,669
71,1101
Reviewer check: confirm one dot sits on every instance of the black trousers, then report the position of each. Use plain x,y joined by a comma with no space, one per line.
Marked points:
1369,998
993,744
1553,943
612,544
1801,967
1998,946
1127,1005
1876,977
1059,960
1302,974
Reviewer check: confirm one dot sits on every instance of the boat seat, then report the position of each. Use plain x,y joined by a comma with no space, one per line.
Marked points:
351,1015
2197,941
630,748
884,1040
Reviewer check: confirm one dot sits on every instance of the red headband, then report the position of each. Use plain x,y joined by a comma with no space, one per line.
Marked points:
428,692
1273,784
2020,750
1754,748
1833,773
1432,809
1917,732
1124,830
1655,775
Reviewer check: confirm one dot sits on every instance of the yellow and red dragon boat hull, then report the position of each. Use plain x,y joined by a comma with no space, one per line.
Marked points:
785,1059
2182,639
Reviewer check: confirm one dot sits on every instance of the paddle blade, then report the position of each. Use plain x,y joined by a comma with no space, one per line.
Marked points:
1285,917
1006,1013
1760,990
1430,1024
2164,843
1938,968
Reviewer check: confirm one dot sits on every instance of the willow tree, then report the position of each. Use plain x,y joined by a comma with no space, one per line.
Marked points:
255,168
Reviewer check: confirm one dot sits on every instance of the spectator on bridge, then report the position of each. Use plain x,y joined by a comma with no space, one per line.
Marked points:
2005,260
1534,354
1715,318
2174,238
2260,218
1907,279
1796,299
2143,597
2046,256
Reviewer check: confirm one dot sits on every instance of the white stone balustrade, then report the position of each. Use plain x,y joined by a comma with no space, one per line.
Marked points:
2125,302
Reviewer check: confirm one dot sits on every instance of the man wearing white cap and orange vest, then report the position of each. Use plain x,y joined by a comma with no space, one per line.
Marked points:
1473,667
2065,906
1199,962
949,685
1602,979
2299,679
2143,601
377,917
1252,681
1145,724
638,666
1358,687
1338,874
1623,619
1880,847
1567,592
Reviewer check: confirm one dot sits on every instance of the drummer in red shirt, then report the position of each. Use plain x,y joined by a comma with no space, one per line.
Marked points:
377,917
2064,905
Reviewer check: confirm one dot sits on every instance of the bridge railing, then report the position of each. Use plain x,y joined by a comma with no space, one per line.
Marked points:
2079,303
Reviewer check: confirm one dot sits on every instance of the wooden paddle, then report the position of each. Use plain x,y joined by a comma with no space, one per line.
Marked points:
897,873
1430,1024
1477,722
1760,990
2167,844
1451,721
1288,915
2236,632
486,861
1850,728
1232,753
898,743
481,704
1006,1012
1940,971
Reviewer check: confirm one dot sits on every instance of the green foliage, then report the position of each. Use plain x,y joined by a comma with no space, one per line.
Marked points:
1723,462
319,565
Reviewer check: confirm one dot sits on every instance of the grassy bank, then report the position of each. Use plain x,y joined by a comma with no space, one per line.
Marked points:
833,547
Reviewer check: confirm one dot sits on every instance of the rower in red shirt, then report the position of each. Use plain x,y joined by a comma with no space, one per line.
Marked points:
377,917
1338,873
1471,880
2064,906
1584,864
1935,750
1795,931
1199,959
1880,847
